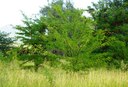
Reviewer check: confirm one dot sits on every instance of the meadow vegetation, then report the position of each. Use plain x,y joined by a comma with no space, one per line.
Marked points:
13,76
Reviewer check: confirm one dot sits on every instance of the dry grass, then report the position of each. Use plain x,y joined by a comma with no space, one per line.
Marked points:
12,76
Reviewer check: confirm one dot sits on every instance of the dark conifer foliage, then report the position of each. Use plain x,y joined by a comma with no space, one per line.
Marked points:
6,42
112,17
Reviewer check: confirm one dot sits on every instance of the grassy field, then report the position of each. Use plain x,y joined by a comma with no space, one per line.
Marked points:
12,76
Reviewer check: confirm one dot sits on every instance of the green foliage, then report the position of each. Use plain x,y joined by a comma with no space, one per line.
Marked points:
35,54
61,32
6,42
32,34
111,17
72,34
63,35
1,56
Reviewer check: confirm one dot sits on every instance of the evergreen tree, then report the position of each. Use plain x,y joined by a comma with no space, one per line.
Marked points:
111,17
6,42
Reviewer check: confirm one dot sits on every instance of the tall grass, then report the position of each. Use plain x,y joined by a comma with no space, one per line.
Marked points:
12,76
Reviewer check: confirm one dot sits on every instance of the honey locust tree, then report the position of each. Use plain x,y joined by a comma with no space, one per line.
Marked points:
71,33
61,31
32,35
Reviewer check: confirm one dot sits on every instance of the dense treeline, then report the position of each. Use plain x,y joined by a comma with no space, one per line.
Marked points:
64,37
111,17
